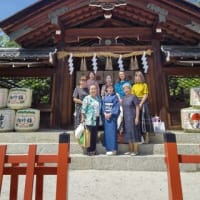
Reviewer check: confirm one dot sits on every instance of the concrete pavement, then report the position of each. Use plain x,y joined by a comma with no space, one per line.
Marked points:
116,185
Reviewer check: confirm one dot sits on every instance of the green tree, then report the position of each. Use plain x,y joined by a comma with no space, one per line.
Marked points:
5,41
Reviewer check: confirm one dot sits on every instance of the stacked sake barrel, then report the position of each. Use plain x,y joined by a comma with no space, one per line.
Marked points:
7,115
26,118
190,117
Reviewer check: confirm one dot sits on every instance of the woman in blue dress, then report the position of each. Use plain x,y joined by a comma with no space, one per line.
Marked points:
132,134
120,92
111,110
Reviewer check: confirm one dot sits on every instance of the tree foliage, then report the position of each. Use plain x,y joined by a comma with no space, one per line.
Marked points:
5,42
41,89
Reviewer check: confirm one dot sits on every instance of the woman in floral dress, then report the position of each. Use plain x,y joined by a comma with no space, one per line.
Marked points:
90,114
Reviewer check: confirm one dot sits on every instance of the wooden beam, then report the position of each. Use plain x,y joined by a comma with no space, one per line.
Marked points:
183,6
136,15
174,12
31,72
114,49
182,71
73,35
81,16
180,37
53,16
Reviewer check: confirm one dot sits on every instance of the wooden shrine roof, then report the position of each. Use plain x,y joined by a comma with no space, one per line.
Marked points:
182,55
19,57
50,23
182,51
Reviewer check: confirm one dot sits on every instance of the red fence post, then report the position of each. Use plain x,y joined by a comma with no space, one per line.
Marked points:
14,184
35,166
39,184
2,160
173,171
63,167
30,169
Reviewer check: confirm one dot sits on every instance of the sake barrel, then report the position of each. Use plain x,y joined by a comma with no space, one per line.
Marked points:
7,119
195,96
19,98
27,120
3,97
190,119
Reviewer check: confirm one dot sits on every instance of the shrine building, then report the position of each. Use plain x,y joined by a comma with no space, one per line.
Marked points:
62,39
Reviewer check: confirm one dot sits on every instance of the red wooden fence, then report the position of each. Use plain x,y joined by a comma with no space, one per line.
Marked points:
37,165
172,159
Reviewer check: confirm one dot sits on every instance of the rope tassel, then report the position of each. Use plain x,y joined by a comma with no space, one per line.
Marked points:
108,63
83,66
134,64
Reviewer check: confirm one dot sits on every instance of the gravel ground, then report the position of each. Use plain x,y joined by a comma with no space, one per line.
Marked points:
115,185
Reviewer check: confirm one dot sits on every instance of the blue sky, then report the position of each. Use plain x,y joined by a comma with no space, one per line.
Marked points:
10,7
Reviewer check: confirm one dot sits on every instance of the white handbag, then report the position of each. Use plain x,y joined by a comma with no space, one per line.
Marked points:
159,127
79,130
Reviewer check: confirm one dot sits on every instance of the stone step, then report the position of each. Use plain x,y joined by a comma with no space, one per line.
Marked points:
79,161
30,137
103,162
53,136
144,149
181,137
123,162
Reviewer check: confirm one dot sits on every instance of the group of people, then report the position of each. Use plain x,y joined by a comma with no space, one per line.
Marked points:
117,105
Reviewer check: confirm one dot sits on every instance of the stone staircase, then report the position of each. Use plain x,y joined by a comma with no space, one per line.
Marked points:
151,156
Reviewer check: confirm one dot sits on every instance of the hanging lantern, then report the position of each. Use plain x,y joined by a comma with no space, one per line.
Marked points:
120,63
70,63
108,63
144,62
134,64
83,66
94,63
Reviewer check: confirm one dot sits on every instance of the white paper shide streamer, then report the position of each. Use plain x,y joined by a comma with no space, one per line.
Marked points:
168,56
144,62
94,63
70,63
120,63
51,56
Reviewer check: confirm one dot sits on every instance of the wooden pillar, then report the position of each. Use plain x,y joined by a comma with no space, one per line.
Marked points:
68,99
156,81
151,85
63,95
